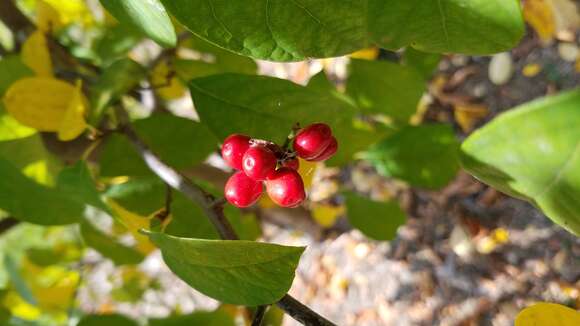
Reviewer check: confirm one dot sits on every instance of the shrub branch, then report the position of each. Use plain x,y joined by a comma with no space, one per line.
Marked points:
215,213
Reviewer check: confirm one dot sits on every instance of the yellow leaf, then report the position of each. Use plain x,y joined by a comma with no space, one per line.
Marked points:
539,14
531,70
326,215
47,18
134,223
167,86
19,307
35,54
73,122
577,65
71,11
490,242
468,115
367,54
46,104
53,287
306,170
548,314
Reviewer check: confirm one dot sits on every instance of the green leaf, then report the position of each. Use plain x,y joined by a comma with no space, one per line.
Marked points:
180,142
77,183
385,87
108,320
533,152
11,70
377,220
30,202
295,30
320,82
235,272
13,269
205,318
117,79
267,108
424,63
115,43
149,17
11,129
108,247
424,156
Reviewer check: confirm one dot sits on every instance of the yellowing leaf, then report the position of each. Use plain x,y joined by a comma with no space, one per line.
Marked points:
35,54
490,242
73,122
468,115
539,14
367,54
47,18
134,223
307,170
548,314
53,287
71,11
577,65
167,86
531,70
326,215
19,307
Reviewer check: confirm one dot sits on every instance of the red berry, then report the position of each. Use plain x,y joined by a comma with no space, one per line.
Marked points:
259,162
312,140
242,191
285,187
328,152
293,164
233,150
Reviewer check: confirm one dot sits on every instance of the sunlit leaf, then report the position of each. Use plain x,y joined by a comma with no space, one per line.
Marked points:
237,272
547,314
134,223
149,17
35,54
73,122
533,152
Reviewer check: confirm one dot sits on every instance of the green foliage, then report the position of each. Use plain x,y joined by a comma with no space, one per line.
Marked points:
533,152
108,247
149,17
385,87
109,320
117,79
292,30
236,272
206,318
77,183
29,201
168,135
267,108
424,156
377,220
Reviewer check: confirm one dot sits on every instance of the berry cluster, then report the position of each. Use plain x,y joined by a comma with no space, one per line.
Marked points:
259,161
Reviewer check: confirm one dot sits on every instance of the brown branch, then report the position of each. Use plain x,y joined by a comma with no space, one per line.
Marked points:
215,213
8,223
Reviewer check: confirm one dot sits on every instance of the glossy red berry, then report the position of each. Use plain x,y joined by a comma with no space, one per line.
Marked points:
259,162
285,187
242,191
293,164
328,152
233,150
312,140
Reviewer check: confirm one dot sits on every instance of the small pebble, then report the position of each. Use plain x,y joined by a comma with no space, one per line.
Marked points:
501,68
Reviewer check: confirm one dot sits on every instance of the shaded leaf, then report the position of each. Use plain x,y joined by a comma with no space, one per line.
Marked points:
377,220
424,156
108,320
424,62
205,318
109,247
36,56
77,183
533,152
385,87
149,17
28,201
236,272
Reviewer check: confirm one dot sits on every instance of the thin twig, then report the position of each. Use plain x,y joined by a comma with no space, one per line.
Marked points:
259,315
215,213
